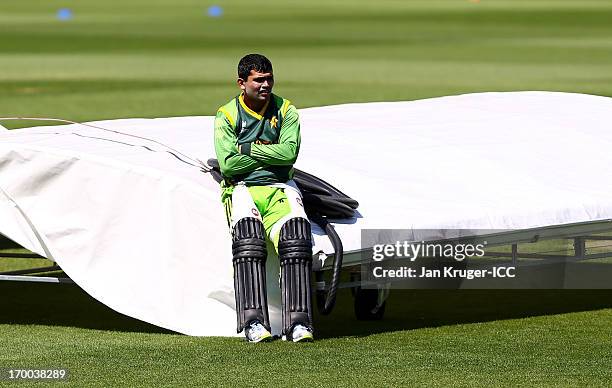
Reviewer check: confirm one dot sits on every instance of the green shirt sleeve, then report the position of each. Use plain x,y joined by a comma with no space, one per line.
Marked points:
286,151
231,162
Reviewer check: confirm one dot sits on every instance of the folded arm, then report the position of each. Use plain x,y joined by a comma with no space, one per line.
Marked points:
231,162
286,151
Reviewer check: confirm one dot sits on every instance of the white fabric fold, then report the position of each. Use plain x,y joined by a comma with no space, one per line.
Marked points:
142,229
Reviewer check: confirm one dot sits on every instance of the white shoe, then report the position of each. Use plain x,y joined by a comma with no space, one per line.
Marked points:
301,333
256,332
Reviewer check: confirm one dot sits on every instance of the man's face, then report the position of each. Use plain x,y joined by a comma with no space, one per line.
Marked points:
257,86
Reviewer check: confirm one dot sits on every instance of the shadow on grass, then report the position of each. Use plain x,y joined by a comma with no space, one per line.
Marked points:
413,309
62,305
68,305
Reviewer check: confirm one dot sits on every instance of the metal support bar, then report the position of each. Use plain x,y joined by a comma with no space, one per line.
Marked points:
36,279
600,238
529,255
594,256
322,286
579,247
32,270
20,256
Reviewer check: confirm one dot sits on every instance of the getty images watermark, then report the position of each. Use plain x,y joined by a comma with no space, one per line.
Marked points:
433,259
482,259
411,251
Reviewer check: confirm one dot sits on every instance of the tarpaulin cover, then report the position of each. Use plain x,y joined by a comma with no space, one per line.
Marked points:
144,232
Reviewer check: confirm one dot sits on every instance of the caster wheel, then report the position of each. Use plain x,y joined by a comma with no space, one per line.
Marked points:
367,306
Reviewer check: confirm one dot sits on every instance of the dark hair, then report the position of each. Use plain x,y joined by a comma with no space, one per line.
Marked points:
255,62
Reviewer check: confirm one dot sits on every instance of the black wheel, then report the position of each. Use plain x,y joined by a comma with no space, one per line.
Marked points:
366,305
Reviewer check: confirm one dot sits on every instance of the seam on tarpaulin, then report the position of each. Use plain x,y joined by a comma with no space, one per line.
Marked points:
41,241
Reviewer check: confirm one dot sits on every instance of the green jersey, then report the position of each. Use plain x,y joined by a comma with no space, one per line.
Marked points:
269,141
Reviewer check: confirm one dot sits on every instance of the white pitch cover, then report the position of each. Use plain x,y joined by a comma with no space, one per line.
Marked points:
145,233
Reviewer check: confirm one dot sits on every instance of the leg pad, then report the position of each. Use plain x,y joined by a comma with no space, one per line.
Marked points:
295,255
249,251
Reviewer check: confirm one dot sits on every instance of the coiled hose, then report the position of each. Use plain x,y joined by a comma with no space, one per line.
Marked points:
322,201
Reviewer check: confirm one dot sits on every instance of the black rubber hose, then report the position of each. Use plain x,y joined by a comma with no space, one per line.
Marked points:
326,206
310,186
327,306
308,180
320,182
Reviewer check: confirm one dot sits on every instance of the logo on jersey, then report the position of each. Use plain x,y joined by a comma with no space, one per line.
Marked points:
299,201
273,122
255,212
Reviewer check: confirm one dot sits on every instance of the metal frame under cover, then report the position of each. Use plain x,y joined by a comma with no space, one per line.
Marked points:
30,274
580,233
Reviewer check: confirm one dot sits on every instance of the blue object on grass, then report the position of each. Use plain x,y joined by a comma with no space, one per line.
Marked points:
64,14
215,11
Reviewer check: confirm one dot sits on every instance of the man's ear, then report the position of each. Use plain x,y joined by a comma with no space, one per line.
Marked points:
240,83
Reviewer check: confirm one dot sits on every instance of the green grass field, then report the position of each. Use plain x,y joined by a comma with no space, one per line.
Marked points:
434,338
158,58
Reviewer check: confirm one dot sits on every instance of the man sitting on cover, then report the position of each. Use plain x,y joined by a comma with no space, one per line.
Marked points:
257,140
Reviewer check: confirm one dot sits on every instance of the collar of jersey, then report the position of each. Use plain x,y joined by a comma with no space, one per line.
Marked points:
250,111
